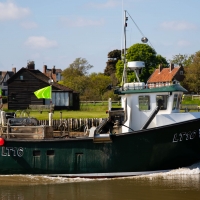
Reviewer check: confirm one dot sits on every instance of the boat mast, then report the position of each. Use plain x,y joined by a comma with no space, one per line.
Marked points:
124,77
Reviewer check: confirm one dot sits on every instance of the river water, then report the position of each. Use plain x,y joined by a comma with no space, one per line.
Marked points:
177,184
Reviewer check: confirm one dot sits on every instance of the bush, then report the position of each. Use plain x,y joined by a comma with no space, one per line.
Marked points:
5,99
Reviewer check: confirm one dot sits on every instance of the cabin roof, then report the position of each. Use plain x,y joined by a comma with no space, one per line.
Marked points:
171,88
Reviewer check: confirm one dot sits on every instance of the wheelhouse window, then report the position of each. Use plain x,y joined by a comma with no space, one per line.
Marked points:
176,102
144,103
164,99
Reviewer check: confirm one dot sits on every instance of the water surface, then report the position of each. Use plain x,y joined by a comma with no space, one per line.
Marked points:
181,184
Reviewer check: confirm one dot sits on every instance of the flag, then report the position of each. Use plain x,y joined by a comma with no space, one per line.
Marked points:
43,93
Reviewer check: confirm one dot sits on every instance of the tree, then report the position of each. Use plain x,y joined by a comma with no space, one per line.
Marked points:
113,57
79,67
97,86
75,76
131,77
184,60
141,52
161,60
192,74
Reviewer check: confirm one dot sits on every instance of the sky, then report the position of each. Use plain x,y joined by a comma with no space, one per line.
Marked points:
55,33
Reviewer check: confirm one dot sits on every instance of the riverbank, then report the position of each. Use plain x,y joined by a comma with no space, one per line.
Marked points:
87,110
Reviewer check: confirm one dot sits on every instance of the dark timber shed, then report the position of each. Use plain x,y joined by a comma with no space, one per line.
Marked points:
23,84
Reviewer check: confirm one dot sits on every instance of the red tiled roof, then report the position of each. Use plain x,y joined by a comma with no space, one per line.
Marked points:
164,76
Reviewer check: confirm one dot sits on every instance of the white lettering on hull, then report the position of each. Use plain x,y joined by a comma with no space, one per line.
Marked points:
12,151
184,136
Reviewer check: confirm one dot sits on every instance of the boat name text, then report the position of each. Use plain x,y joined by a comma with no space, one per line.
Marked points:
12,151
184,136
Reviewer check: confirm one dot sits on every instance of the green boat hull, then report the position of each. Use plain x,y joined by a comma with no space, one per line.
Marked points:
163,148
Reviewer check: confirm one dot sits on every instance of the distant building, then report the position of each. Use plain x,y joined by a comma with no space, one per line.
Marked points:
4,76
54,73
166,76
23,84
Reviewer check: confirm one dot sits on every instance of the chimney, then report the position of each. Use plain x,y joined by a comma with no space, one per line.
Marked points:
53,70
14,70
160,68
44,69
31,65
171,67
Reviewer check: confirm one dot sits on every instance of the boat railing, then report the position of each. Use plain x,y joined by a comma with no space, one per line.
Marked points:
18,131
25,132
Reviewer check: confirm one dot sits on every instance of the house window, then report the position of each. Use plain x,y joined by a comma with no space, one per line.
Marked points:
21,78
144,103
60,98
181,72
164,99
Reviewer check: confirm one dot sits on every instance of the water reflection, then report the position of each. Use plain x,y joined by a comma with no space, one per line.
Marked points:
177,184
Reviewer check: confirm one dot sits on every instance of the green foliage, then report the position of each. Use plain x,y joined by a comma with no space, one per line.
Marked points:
192,74
4,99
119,72
161,60
143,52
113,56
90,86
140,52
79,67
184,60
110,94
97,84
110,67
75,76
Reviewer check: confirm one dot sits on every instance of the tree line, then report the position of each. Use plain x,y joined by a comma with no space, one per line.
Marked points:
94,86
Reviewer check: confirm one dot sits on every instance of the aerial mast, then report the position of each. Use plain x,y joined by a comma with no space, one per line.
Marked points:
124,77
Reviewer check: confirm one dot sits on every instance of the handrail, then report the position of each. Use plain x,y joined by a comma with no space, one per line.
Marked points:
17,130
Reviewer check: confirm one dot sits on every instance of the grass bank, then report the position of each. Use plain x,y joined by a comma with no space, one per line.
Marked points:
88,110
69,114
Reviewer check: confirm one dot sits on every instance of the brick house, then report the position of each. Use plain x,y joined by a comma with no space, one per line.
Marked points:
166,76
56,74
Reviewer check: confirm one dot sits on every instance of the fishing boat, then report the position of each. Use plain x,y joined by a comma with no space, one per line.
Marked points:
148,134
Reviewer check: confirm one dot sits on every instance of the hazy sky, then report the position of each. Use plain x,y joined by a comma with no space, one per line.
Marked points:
57,32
